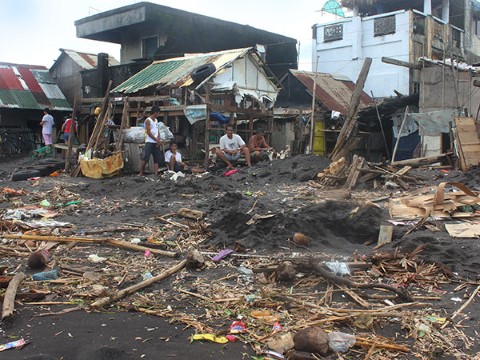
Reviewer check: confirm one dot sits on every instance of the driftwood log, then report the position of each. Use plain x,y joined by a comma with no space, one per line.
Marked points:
9,299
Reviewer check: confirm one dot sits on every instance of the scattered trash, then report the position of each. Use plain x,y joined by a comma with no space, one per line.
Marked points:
210,337
238,327
45,275
340,342
45,203
96,259
13,345
230,172
339,268
147,275
222,254
37,260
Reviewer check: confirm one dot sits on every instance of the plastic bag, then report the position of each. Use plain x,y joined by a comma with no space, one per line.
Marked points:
165,133
340,342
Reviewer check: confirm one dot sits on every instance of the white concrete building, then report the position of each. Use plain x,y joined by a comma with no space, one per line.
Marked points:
403,30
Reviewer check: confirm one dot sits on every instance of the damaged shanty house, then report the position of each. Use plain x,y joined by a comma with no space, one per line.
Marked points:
150,32
293,111
403,39
231,86
25,90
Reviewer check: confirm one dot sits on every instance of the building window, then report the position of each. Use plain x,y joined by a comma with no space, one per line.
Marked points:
332,33
149,46
384,26
477,26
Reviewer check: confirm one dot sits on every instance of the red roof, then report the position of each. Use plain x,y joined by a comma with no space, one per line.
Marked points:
334,94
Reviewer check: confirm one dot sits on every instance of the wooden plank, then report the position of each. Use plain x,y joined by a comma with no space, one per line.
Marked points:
468,142
463,230
388,60
385,235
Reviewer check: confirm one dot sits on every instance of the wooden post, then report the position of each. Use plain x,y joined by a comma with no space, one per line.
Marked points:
312,119
350,120
398,137
381,125
9,299
123,125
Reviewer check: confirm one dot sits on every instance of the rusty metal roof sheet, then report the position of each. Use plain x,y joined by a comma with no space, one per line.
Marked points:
176,72
87,60
334,94
29,87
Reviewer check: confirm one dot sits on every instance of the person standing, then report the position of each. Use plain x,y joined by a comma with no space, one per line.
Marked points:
232,147
66,129
152,141
47,126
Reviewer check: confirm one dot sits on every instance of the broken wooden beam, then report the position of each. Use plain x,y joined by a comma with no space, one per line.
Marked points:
9,299
422,160
389,60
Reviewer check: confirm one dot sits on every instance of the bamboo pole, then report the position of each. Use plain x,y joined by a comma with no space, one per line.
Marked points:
9,299
143,284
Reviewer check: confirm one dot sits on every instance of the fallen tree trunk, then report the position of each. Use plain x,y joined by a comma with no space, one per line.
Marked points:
140,285
9,299
112,242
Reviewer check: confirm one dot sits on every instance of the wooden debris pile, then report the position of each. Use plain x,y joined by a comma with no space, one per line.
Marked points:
341,173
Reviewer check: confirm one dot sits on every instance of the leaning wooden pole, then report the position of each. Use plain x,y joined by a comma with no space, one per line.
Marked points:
350,119
9,299
140,285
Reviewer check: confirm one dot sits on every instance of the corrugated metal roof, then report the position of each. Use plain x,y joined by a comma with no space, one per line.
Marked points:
334,94
87,60
176,72
29,87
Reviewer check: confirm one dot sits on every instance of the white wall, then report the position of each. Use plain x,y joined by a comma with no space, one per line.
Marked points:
346,56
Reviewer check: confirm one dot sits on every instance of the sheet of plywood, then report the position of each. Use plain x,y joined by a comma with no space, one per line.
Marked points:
463,230
468,142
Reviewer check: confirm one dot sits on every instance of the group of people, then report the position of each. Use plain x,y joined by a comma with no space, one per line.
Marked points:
47,124
231,148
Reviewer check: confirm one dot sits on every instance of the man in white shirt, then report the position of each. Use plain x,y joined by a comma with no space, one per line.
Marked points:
152,141
232,147
47,125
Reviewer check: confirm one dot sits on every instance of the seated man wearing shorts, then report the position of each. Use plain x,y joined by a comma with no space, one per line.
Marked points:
232,147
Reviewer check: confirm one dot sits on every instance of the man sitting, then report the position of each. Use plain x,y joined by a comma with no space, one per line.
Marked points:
231,148
258,146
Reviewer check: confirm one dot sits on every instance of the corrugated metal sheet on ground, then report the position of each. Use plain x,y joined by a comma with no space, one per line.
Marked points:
334,94
176,72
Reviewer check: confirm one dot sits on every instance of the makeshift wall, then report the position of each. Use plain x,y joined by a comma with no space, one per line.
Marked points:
438,90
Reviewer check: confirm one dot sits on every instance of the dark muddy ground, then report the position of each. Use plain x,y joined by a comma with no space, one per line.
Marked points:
337,227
